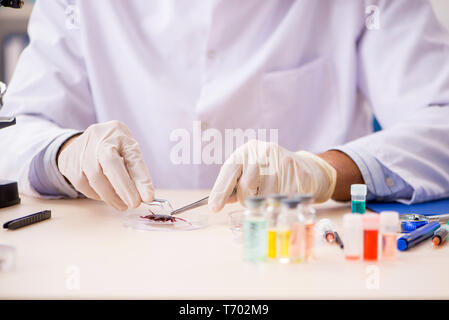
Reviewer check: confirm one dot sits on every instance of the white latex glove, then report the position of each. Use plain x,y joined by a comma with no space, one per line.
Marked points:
261,168
105,163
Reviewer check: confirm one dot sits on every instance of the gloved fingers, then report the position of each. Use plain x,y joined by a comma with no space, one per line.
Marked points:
232,198
69,167
293,177
82,185
269,169
100,183
268,184
137,169
321,175
113,166
225,184
249,182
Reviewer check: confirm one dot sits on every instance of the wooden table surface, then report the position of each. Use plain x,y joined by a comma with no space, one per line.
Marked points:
86,252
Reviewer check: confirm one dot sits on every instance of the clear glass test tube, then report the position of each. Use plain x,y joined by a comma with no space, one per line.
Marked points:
353,236
358,198
389,226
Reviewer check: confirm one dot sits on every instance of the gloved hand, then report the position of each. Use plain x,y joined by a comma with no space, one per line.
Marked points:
261,168
105,163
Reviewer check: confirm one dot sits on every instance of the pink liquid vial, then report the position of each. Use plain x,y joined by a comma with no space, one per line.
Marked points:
389,226
389,246
297,241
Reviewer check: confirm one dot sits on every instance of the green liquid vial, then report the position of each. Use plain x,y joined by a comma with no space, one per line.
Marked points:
254,231
358,198
358,207
254,239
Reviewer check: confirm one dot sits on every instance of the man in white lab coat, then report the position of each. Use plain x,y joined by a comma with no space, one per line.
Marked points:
179,75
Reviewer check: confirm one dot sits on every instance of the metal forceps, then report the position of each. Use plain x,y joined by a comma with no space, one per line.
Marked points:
165,204
412,221
443,218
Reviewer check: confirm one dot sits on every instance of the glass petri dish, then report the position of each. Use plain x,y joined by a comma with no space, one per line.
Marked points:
185,222
7,258
235,221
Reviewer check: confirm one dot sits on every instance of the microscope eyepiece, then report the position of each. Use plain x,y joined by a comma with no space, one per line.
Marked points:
16,4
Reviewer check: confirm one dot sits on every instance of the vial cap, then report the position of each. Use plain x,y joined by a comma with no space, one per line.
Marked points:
351,220
389,219
303,197
290,203
371,221
276,197
358,190
254,202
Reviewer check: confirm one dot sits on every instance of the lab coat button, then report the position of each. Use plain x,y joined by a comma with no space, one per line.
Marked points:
389,181
211,54
204,126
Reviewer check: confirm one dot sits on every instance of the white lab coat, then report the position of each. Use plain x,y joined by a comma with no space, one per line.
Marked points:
310,69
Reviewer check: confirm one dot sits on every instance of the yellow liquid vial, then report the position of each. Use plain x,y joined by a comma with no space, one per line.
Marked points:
272,244
284,244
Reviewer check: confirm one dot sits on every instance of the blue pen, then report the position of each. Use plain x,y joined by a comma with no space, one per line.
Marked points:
417,236
409,226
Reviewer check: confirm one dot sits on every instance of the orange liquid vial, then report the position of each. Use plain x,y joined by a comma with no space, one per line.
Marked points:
370,238
310,241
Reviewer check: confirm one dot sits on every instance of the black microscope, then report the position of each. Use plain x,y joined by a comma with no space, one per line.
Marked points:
9,193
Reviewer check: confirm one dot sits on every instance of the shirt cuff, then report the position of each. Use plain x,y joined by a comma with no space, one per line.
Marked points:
382,183
44,174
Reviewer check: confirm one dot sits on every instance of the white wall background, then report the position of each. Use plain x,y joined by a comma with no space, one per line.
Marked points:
441,8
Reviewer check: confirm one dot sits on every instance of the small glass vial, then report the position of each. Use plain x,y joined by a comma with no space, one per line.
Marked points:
353,236
254,231
358,198
309,214
272,212
389,225
370,236
290,229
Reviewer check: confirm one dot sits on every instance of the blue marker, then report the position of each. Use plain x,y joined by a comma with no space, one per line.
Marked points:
417,236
